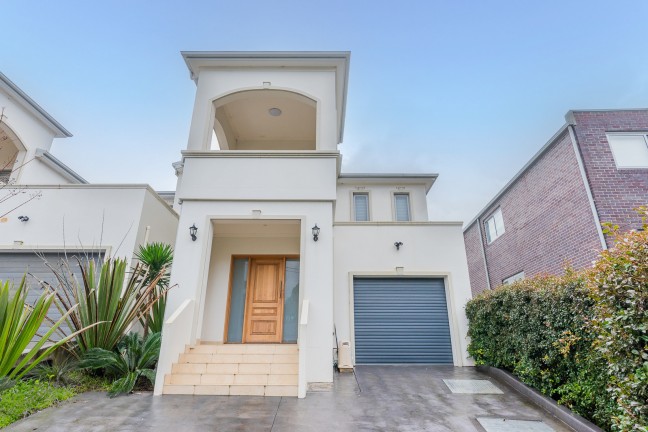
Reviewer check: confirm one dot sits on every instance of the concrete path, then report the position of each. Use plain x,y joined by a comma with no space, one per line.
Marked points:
377,398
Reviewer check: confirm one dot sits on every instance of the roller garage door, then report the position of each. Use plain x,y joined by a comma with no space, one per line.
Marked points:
13,265
401,320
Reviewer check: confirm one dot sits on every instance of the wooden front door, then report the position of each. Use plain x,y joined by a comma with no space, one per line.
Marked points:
264,305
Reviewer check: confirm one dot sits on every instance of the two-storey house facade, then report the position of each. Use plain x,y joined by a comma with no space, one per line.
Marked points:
280,257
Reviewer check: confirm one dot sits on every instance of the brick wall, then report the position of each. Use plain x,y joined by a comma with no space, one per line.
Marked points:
616,192
476,269
547,221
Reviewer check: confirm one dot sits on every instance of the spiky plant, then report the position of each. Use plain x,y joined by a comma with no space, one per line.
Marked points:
134,357
109,300
19,324
157,258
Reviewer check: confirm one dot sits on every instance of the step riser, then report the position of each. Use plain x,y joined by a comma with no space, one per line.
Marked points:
237,369
233,390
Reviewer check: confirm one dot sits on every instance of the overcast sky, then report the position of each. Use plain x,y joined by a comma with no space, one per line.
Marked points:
467,89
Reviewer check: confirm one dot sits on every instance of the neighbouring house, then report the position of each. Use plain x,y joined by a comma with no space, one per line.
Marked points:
593,170
281,258
47,211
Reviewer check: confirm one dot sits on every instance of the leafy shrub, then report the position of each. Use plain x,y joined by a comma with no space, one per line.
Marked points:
157,259
581,338
133,358
109,301
27,397
620,290
19,323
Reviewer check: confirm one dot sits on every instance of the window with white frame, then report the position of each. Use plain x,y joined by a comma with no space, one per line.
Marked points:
511,279
629,150
402,207
494,226
361,207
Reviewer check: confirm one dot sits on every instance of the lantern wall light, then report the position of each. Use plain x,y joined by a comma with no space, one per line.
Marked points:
316,232
192,232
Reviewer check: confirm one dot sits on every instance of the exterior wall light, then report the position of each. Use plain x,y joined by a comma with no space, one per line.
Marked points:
316,232
23,218
192,232
398,245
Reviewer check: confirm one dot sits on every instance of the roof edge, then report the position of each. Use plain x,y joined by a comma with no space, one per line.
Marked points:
59,166
32,106
519,174
427,178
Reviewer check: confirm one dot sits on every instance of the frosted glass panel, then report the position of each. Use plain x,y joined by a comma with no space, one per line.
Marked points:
630,151
361,207
237,300
401,203
291,301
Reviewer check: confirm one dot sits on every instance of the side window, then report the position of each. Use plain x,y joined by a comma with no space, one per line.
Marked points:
629,150
402,207
515,277
494,226
361,207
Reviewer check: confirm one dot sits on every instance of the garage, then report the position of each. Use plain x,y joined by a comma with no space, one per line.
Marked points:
401,320
14,265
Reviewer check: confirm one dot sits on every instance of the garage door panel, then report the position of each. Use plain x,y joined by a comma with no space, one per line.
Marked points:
14,265
401,320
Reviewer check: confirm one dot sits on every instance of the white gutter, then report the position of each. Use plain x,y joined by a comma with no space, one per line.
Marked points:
588,190
58,166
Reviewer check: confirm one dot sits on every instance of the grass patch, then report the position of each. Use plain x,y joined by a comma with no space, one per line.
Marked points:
30,396
27,397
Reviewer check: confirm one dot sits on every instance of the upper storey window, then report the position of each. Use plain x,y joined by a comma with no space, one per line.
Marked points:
402,207
629,150
361,207
494,226
265,120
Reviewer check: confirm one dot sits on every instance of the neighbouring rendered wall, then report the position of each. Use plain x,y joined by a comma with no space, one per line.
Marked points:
81,217
160,217
381,201
213,325
429,249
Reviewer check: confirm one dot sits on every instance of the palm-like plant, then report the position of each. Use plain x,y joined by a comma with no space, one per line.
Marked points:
134,357
108,300
19,324
157,258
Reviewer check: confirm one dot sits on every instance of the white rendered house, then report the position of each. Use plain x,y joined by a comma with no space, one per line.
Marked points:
48,211
288,257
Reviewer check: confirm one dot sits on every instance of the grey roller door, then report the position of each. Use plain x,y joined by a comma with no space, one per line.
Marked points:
14,265
401,320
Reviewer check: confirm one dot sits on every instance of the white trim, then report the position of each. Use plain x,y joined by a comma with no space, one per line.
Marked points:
455,339
389,223
588,191
483,251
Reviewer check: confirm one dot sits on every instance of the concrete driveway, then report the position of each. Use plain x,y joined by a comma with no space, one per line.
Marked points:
377,398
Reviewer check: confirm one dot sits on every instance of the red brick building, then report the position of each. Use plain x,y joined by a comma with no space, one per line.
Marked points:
593,170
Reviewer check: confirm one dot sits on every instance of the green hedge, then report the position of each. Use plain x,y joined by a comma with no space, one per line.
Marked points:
581,338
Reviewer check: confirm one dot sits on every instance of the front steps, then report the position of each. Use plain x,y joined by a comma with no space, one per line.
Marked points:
235,369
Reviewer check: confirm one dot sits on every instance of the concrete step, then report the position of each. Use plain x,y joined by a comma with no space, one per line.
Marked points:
235,369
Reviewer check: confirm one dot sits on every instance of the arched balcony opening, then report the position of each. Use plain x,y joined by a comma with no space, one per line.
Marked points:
10,150
265,120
